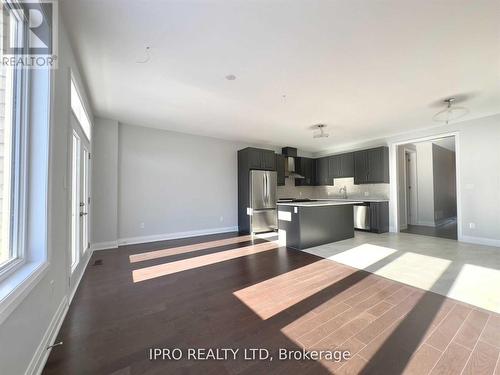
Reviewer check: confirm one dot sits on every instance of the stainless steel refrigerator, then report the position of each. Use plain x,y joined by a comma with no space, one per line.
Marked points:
263,201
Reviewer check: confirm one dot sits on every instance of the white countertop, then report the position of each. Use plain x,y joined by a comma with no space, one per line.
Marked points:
353,199
319,203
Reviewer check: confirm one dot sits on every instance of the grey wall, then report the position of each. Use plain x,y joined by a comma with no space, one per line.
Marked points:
445,190
151,184
23,332
105,183
174,183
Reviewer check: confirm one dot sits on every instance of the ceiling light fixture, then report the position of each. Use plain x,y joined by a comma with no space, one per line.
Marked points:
321,133
451,112
146,58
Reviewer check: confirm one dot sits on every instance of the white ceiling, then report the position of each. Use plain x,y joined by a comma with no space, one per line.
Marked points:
367,68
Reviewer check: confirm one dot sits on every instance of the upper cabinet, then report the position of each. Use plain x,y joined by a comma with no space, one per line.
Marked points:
307,168
341,165
260,159
280,169
323,176
371,166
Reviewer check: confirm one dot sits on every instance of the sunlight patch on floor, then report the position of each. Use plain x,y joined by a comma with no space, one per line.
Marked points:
475,284
362,256
272,296
466,272
417,270
164,269
186,249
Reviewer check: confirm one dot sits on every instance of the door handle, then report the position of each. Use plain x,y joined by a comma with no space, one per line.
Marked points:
83,214
265,190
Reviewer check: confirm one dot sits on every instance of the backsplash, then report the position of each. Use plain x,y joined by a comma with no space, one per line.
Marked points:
377,191
292,191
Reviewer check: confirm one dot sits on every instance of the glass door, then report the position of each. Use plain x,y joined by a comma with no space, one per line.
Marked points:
80,199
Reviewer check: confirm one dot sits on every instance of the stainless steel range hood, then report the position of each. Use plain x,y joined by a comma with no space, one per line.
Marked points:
290,154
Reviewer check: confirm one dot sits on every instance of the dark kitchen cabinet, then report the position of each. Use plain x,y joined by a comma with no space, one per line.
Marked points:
341,165
268,159
280,169
323,177
307,168
371,166
260,159
250,158
379,217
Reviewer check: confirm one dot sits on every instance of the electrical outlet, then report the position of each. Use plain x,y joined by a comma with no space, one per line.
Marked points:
472,225
142,225
367,193
221,219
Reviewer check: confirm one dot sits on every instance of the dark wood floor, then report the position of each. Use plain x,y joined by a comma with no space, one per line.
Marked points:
448,230
224,291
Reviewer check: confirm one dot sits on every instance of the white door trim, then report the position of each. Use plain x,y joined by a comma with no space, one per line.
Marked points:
394,185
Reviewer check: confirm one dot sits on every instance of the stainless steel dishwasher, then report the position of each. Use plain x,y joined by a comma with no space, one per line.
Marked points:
362,216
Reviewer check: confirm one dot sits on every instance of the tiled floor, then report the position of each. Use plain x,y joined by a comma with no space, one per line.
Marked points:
466,272
226,291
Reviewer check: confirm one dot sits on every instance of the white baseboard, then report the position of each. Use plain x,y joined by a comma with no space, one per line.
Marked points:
173,236
480,241
42,353
104,245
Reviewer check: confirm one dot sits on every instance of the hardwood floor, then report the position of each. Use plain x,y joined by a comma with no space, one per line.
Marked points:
225,291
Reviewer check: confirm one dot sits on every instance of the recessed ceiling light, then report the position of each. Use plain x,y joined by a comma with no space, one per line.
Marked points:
230,77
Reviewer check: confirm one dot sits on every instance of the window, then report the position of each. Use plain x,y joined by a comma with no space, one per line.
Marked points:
79,110
25,97
13,93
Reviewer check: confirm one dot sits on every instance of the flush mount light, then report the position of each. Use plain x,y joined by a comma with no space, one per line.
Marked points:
451,112
230,77
319,131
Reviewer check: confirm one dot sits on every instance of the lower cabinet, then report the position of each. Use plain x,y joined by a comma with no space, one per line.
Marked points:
379,217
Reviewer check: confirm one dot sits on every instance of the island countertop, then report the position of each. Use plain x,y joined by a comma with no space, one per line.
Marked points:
319,203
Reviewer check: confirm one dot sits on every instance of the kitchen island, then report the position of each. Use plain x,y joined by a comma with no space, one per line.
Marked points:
307,224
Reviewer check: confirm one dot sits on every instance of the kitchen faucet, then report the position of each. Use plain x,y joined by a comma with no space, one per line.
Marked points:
343,191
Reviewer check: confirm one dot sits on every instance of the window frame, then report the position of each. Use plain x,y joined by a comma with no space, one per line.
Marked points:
74,82
19,159
27,272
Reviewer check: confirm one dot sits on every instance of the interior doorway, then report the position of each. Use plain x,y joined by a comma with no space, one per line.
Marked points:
428,194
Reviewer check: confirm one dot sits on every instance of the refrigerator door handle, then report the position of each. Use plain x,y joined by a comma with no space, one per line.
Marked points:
264,195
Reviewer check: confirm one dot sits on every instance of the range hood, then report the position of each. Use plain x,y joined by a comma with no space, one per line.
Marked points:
290,154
